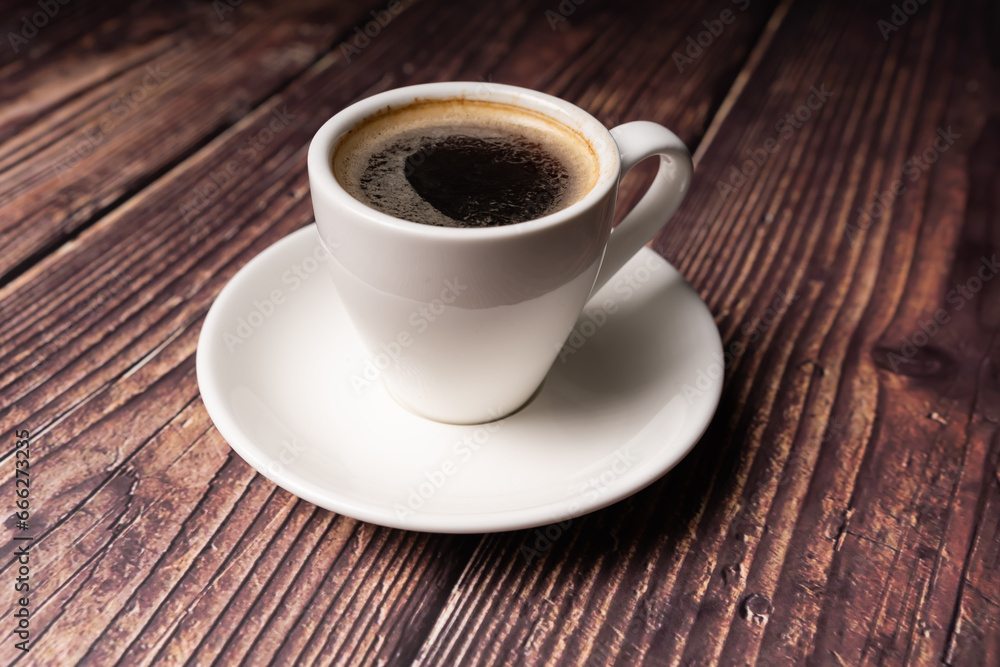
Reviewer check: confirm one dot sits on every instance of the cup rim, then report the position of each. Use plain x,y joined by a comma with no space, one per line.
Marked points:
592,130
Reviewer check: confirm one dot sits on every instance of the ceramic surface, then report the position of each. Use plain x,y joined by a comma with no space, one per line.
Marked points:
290,386
474,317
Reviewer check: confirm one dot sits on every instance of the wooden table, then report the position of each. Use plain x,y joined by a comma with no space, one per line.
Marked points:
843,227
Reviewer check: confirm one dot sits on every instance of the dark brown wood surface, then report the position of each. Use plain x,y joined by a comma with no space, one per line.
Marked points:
844,506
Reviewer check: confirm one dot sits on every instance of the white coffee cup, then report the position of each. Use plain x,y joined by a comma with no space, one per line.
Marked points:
464,323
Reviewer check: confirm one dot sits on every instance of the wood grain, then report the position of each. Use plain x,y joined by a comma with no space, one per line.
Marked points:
842,509
98,348
93,125
841,515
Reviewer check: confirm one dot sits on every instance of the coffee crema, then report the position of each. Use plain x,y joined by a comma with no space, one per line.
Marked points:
464,163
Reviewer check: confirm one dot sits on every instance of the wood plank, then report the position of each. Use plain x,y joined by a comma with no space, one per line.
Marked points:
903,456
69,54
95,125
97,344
830,516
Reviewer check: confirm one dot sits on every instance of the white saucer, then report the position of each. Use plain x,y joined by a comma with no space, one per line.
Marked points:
282,375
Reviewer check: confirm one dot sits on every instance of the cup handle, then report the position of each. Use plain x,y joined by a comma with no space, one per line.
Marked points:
637,141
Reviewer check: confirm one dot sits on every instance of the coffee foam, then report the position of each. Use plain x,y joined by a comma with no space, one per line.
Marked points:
393,136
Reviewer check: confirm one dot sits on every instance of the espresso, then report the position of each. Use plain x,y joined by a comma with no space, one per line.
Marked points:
463,163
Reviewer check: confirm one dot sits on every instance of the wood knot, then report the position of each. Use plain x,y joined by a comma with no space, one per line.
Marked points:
756,608
733,575
909,359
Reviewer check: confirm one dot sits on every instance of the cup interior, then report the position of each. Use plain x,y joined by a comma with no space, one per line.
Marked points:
569,116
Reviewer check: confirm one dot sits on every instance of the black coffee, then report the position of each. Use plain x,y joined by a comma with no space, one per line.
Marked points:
459,163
